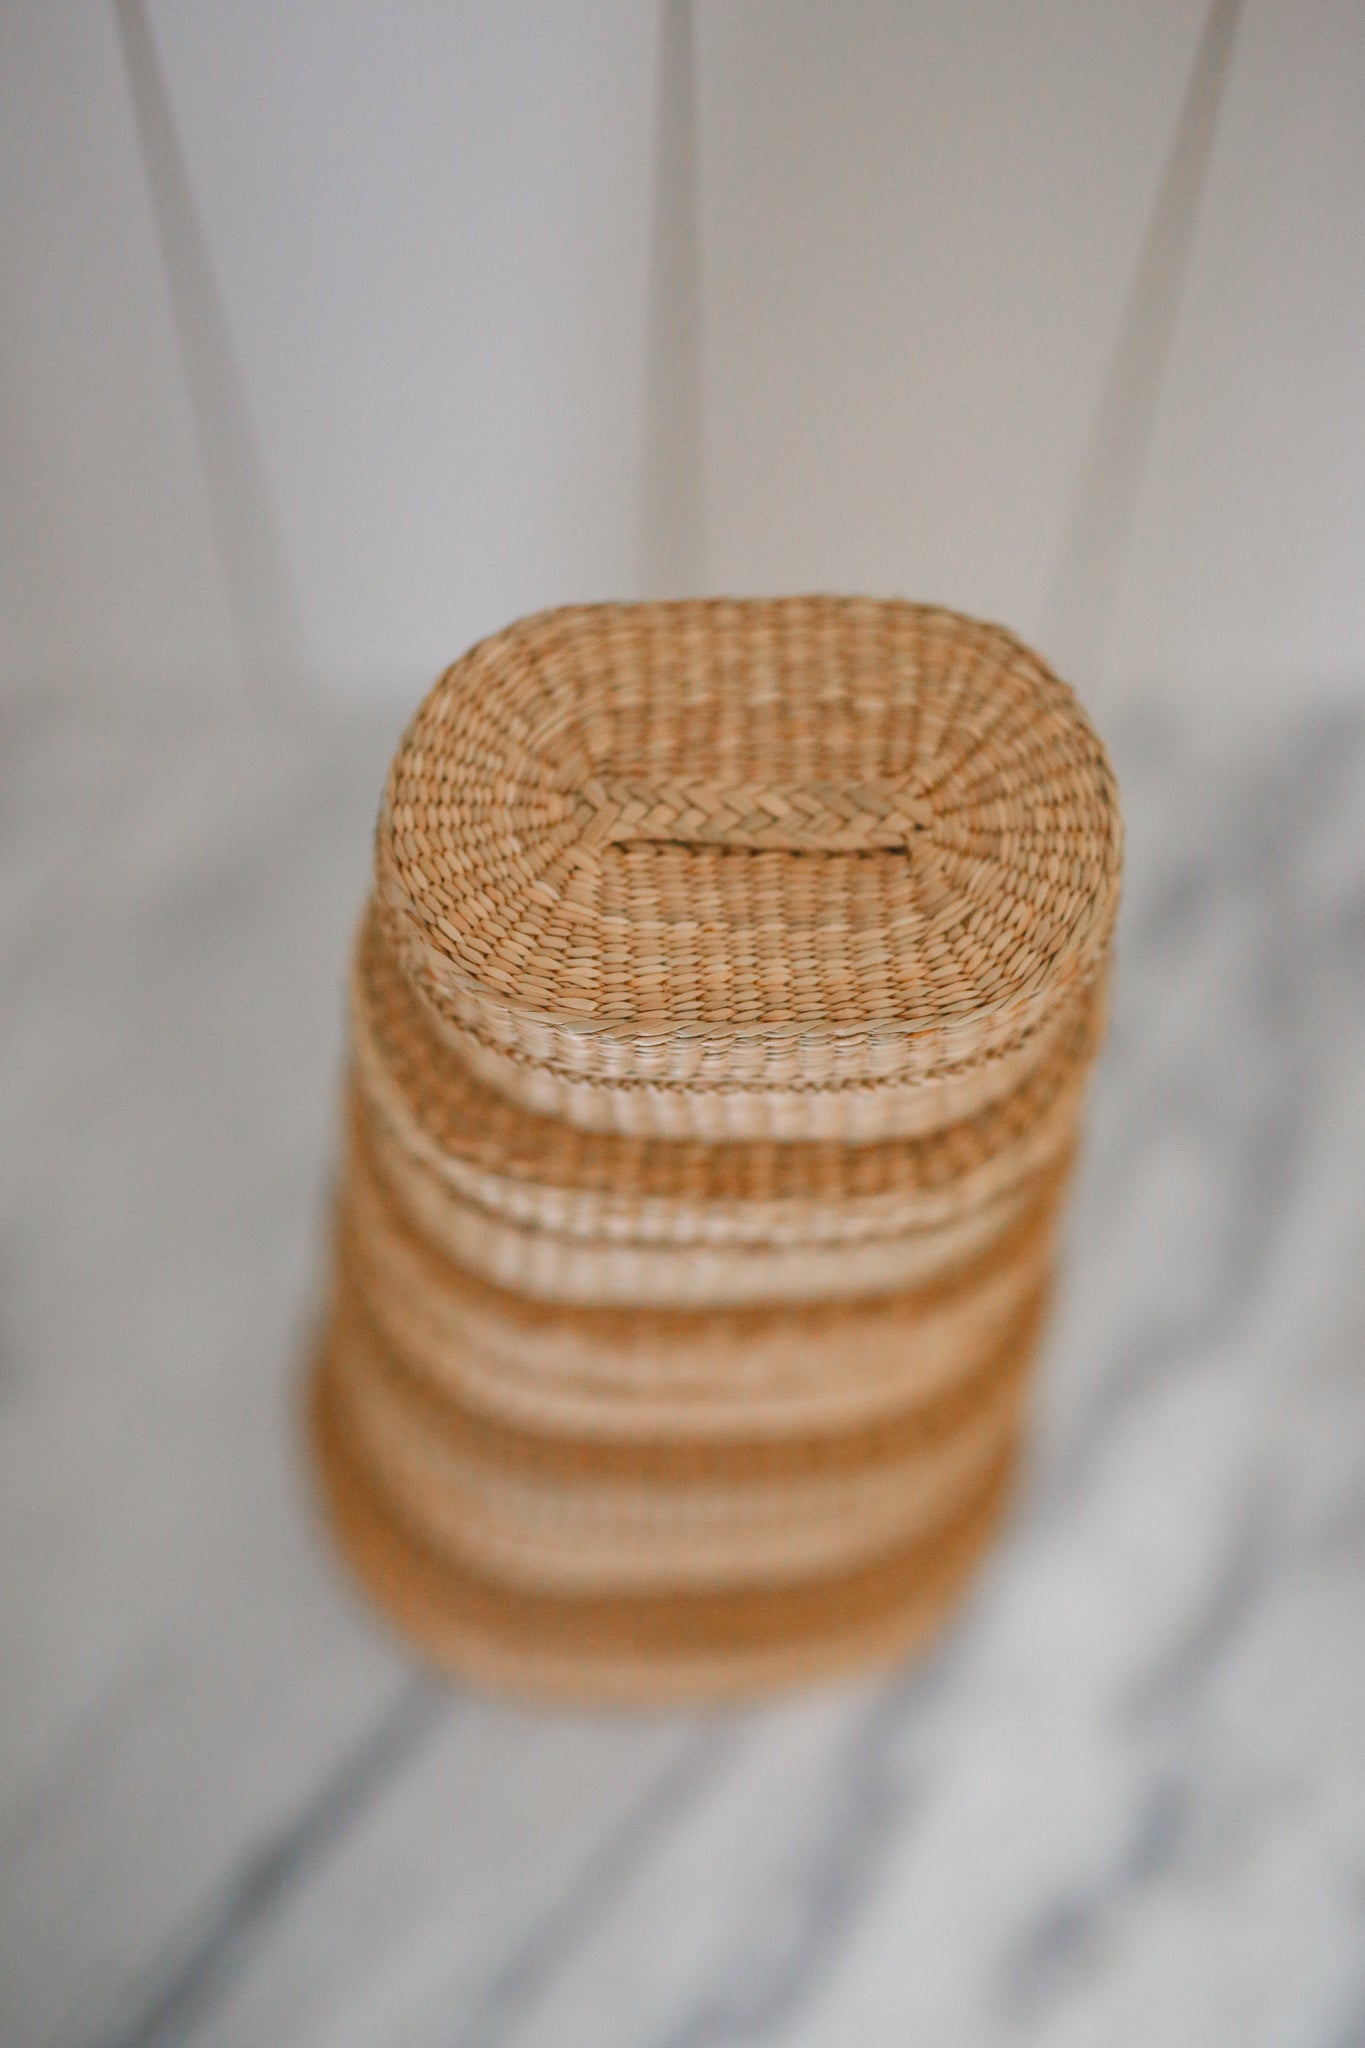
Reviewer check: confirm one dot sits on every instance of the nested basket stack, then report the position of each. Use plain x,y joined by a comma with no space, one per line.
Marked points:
720,1020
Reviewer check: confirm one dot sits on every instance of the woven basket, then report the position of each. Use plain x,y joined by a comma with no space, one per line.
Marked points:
788,869
673,1377
720,1024
638,1649
545,1512
588,1217
555,1267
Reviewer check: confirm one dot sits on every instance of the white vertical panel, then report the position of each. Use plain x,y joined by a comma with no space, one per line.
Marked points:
672,469
920,226
1246,570
429,226
107,565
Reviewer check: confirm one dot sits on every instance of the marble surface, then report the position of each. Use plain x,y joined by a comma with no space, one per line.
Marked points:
1123,1800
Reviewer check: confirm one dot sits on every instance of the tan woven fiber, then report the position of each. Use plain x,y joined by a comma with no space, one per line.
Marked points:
720,1024
551,1513
641,1650
508,1161
777,868
600,1272
885,1440
671,1376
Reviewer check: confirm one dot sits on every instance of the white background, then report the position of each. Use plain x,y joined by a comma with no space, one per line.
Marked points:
457,262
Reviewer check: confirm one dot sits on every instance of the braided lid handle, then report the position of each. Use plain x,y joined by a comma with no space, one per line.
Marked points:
780,817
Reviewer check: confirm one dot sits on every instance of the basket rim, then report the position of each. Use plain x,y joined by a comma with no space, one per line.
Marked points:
435,1109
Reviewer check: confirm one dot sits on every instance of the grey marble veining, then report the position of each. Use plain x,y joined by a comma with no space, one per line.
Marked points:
1124,1799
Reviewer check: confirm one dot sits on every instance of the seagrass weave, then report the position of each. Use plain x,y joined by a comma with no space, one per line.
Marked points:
560,1266
671,1377
791,867
545,1511
720,1021
591,1217
652,1648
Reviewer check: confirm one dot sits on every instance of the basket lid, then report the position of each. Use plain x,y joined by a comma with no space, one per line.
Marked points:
814,817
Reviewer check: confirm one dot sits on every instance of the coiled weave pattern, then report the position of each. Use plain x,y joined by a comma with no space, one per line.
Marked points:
769,868
720,1022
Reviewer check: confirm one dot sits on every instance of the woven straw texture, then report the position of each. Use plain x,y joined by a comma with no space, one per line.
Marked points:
643,1649
547,1512
674,1377
580,1216
720,1023
787,868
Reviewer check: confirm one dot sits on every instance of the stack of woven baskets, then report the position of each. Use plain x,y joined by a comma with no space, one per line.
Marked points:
720,1021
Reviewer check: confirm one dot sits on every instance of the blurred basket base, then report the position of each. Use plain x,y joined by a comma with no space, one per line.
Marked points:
645,1650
